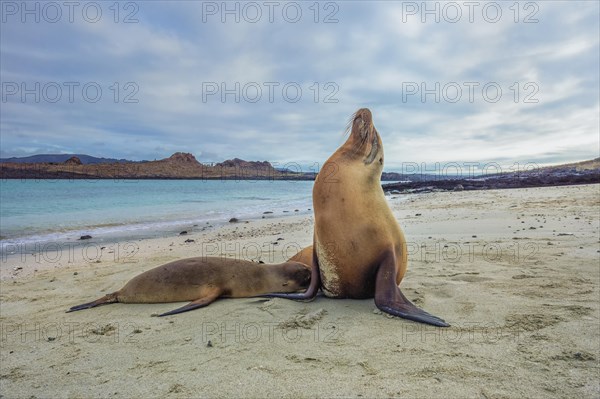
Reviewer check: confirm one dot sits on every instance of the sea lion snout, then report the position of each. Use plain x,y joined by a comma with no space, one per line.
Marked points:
362,123
364,138
298,274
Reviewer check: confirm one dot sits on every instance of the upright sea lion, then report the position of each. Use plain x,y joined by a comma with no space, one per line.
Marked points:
359,250
204,279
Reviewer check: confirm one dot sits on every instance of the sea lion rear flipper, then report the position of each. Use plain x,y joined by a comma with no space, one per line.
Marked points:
390,299
311,291
105,300
198,303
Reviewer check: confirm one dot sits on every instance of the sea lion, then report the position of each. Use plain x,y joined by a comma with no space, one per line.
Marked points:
304,256
359,250
204,279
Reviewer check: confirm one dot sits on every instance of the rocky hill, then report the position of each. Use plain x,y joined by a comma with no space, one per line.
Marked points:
177,166
593,164
60,158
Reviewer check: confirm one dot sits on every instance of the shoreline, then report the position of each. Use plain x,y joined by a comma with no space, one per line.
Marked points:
514,272
104,210
28,259
114,233
121,246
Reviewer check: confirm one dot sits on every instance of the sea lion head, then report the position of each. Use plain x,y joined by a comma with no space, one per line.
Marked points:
364,141
297,275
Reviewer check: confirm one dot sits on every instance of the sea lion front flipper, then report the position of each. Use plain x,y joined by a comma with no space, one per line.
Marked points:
390,299
313,288
198,303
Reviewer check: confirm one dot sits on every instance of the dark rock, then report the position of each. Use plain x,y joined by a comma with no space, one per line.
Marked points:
560,175
189,240
85,237
234,220
183,233
267,213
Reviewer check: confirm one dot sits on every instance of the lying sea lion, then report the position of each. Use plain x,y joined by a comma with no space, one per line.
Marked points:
204,279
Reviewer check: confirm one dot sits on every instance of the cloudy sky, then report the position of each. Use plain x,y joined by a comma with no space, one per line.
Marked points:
456,82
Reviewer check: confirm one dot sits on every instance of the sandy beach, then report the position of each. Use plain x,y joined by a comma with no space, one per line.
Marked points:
515,272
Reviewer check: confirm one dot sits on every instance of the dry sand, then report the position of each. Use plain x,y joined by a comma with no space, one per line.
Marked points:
516,273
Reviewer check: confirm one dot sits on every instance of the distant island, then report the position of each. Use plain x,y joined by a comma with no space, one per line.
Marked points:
185,166
178,166
60,158
586,172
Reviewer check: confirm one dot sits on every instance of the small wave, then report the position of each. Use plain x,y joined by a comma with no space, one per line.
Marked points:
254,198
108,217
113,231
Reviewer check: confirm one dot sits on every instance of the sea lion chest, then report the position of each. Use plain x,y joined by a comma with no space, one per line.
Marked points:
353,227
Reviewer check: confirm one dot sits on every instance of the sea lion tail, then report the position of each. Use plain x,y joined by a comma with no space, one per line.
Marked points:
105,300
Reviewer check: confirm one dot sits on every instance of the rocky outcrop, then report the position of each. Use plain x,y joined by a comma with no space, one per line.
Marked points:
238,168
182,157
544,177
73,161
240,163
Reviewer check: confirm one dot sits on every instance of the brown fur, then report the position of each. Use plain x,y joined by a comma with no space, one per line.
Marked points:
305,256
203,279
353,222
359,250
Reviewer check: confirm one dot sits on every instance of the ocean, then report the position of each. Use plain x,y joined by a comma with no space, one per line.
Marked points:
38,211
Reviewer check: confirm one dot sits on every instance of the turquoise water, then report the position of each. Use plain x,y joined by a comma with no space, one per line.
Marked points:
46,210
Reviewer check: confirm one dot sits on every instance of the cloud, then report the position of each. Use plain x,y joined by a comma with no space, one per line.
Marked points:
155,77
